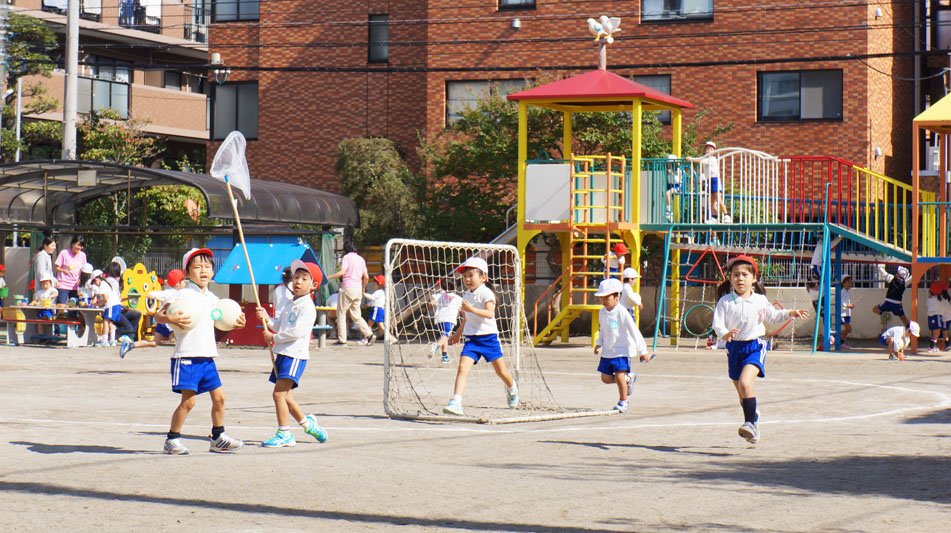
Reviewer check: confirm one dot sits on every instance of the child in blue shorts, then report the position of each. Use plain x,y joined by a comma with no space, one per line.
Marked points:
936,308
617,341
446,315
738,320
291,344
377,302
482,334
894,293
898,338
193,366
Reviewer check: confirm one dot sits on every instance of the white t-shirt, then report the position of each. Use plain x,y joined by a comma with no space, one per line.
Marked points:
114,296
447,307
934,306
3,282
477,325
50,293
283,297
898,334
711,167
846,301
618,335
294,328
164,296
200,340
629,298
376,298
746,315
946,310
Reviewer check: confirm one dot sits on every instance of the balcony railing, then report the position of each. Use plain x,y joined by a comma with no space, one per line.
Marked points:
135,16
196,32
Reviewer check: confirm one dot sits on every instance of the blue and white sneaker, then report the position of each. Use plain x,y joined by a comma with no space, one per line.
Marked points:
512,396
225,444
621,406
312,428
175,447
445,358
453,408
631,379
280,440
125,346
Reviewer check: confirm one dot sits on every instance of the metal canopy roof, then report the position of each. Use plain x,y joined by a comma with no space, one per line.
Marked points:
47,193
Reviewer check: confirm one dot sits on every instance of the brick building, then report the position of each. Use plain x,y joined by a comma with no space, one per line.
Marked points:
794,78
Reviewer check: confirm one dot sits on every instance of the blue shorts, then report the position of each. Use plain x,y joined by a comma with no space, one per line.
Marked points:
613,365
163,330
742,353
113,313
935,322
846,319
714,184
883,340
197,374
45,314
376,314
675,187
484,346
891,307
445,328
288,368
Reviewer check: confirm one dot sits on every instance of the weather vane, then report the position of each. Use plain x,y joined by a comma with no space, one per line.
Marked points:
603,30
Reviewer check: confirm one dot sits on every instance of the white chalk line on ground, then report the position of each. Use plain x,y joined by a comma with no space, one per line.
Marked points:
944,400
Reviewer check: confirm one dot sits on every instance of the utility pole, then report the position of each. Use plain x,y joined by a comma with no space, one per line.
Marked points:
72,80
3,55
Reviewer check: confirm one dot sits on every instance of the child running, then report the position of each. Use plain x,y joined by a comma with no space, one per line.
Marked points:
377,302
898,338
617,341
174,281
847,306
482,334
631,301
894,293
193,366
447,306
110,293
291,345
738,320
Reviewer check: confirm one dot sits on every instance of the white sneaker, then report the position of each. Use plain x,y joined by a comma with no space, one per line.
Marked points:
453,408
512,397
631,379
620,407
175,447
225,444
750,432
432,350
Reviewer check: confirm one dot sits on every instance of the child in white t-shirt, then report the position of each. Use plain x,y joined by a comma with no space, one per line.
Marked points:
898,338
617,342
377,303
447,305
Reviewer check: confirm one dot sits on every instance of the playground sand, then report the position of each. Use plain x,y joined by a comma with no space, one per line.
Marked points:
850,442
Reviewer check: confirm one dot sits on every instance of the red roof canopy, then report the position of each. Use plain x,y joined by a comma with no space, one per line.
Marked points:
597,84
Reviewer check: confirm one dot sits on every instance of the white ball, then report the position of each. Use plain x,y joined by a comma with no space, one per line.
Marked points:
225,314
727,219
190,303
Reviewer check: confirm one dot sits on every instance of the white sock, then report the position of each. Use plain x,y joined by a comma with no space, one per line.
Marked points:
285,429
513,389
457,398
304,422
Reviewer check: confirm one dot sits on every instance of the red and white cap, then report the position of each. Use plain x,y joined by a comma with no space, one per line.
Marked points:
195,252
710,144
174,277
744,259
474,262
312,268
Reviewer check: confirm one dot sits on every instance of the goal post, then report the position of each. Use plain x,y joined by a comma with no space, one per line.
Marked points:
417,383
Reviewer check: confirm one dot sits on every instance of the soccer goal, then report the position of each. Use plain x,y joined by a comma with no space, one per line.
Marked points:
417,381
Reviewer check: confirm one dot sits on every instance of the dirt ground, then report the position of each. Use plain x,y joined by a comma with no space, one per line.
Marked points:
850,443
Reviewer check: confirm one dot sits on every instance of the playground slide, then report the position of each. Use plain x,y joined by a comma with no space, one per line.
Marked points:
506,237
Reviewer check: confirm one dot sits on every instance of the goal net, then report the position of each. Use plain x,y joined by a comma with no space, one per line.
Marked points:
418,384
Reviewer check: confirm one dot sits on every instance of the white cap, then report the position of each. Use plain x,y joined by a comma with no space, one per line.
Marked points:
672,156
121,262
845,277
609,286
711,144
46,277
95,274
914,328
629,273
903,273
86,269
474,262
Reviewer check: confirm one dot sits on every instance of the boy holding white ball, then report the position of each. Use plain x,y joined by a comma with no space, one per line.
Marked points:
193,361
291,345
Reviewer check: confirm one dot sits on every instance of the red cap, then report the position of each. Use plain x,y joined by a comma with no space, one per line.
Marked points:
174,277
620,249
936,287
380,279
315,273
3,268
743,259
192,253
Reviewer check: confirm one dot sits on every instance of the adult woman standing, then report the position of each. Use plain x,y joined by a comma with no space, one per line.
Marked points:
68,264
353,271
43,260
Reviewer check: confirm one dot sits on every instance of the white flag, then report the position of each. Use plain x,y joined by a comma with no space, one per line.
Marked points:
230,164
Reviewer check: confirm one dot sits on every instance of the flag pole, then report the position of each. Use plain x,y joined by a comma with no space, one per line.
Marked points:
247,258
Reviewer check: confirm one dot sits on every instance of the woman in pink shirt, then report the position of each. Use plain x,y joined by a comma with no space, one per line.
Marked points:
67,267
354,278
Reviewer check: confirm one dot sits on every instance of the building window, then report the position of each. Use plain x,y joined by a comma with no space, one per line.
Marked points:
234,10
464,95
378,39
173,80
516,4
196,29
659,83
235,108
145,15
799,95
98,94
88,9
668,10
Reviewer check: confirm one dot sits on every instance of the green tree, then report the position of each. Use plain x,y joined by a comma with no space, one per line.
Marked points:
29,43
105,136
374,175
